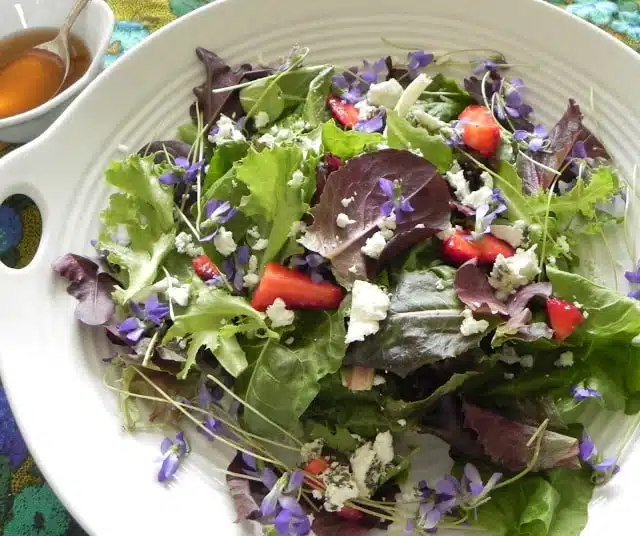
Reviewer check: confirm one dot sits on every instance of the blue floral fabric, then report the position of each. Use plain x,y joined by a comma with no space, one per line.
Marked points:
28,506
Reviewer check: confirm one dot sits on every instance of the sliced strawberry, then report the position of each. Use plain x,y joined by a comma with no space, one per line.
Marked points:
296,289
346,114
458,249
490,247
205,268
480,130
564,317
316,466
350,514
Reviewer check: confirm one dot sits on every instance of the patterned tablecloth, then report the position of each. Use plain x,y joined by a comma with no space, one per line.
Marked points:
27,504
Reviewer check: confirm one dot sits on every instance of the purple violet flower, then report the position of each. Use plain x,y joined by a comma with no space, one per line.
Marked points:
578,150
375,124
219,211
589,454
472,481
484,65
418,60
396,203
234,267
292,521
633,277
456,132
132,329
277,495
183,171
580,393
173,452
155,311
373,73
312,264
213,425
535,140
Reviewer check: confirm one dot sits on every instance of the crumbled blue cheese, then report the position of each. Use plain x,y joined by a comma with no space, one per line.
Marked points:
260,244
261,119
455,177
296,179
509,375
353,269
511,234
224,242
227,132
369,305
565,360
369,461
184,244
365,110
342,220
313,449
388,226
251,278
340,487
279,315
385,93
402,422
481,196
297,228
268,140
347,201
471,326
552,260
374,245
383,446
445,234
511,273
178,294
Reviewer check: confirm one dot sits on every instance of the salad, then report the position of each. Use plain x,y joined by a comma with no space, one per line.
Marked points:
338,271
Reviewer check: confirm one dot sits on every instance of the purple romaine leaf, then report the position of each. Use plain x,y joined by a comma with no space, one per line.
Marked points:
91,287
520,301
505,442
245,505
473,289
421,187
218,75
175,148
561,140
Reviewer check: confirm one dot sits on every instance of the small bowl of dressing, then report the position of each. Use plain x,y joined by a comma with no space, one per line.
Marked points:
33,103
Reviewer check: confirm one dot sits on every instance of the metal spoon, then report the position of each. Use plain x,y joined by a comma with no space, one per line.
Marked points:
59,45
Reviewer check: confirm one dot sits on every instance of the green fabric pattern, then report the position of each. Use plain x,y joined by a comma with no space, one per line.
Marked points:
28,506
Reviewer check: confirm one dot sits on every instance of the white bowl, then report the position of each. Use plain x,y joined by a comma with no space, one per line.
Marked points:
94,26
51,366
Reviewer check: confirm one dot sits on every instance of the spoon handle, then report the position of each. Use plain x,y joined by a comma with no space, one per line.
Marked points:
73,15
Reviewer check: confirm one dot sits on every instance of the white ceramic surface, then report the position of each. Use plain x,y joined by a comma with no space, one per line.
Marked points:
51,366
94,27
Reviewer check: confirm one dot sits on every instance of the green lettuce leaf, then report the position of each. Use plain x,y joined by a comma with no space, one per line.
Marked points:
267,175
223,159
347,143
422,325
138,228
314,110
445,107
214,319
138,177
340,440
284,379
524,508
399,408
510,185
582,198
403,135
554,504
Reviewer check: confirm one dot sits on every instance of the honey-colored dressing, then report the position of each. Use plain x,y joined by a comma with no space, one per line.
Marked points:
29,78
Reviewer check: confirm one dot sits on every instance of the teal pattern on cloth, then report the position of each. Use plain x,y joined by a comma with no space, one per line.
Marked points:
28,506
